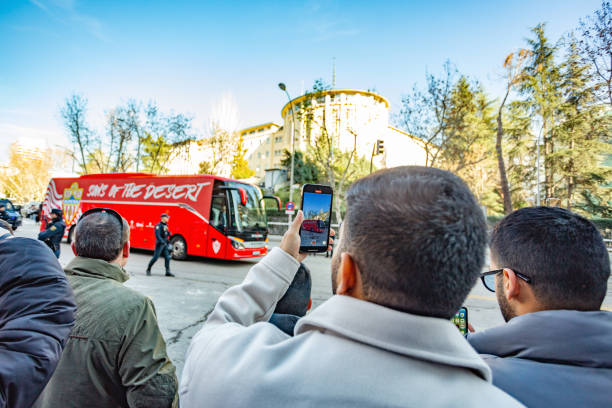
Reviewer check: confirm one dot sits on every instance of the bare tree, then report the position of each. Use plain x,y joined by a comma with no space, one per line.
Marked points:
596,46
514,75
73,114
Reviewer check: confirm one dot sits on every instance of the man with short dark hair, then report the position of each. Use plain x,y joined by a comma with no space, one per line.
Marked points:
162,245
411,247
116,355
54,232
550,271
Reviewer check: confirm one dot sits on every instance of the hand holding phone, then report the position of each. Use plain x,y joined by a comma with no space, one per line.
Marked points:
317,207
461,320
290,243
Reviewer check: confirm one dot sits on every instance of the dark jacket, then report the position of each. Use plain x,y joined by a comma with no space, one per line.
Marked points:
53,234
116,355
162,233
37,311
554,358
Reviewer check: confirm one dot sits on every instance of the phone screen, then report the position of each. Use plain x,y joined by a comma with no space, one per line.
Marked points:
461,320
316,205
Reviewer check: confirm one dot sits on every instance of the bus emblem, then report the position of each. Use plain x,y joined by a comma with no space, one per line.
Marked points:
70,203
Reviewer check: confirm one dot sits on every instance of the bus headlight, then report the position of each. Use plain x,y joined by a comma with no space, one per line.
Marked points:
236,243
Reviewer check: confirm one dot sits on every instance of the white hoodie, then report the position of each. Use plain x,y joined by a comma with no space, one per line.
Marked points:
346,353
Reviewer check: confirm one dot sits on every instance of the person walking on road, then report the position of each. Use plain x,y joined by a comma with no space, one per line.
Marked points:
162,244
53,234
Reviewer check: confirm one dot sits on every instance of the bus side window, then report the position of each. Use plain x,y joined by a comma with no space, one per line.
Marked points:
218,213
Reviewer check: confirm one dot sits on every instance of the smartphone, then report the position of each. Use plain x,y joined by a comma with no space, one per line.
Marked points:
461,320
317,207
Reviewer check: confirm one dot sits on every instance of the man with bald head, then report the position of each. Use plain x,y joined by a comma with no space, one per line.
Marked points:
116,355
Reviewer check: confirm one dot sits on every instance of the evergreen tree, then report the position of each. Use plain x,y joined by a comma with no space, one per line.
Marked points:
582,132
542,90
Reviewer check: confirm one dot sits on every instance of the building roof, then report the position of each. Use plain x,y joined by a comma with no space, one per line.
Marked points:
415,138
263,125
333,92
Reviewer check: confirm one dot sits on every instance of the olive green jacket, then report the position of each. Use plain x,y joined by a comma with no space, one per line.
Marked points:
116,355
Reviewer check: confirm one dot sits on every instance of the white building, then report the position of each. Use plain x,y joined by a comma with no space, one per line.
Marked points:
344,114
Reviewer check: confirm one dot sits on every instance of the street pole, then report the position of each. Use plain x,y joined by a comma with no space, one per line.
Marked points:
284,88
538,168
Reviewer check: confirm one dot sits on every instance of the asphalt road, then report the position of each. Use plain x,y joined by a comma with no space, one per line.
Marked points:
184,302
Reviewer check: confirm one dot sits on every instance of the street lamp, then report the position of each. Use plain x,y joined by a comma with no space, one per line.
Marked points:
284,89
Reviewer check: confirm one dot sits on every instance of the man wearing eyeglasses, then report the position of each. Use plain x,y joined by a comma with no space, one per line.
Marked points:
550,271
115,355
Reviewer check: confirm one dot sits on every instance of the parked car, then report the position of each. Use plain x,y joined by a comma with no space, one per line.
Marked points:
13,213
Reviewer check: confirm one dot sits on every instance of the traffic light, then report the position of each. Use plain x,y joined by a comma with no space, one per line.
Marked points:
380,147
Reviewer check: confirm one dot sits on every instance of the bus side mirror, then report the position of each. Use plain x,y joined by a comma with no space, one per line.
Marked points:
243,196
275,198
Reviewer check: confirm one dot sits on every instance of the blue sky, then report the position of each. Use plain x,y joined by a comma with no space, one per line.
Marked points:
316,202
187,55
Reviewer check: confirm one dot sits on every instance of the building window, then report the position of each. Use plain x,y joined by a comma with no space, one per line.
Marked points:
259,155
321,99
268,154
278,139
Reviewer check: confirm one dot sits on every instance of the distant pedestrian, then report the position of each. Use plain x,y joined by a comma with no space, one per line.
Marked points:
53,234
3,214
116,355
162,244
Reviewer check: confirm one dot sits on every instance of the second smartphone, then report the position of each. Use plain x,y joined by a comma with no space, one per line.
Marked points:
316,206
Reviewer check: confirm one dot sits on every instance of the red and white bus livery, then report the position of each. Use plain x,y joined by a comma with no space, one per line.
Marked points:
209,216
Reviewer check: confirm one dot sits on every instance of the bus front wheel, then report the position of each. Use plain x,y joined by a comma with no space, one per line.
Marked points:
179,248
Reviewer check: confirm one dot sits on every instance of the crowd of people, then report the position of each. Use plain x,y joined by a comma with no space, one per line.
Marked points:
411,248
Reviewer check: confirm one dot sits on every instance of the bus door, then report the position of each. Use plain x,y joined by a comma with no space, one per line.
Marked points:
217,241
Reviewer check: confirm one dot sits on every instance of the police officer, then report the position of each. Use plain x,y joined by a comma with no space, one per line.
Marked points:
53,234
162,244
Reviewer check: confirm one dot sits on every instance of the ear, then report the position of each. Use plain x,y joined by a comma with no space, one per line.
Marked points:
73,246
126,250
512,287
349,278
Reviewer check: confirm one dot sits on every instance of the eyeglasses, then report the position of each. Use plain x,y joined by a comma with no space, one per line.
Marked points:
104,210
488,278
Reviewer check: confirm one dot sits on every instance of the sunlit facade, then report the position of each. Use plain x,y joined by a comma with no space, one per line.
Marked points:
350,117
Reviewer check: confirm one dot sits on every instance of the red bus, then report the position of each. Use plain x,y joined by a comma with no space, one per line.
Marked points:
313,225
209,216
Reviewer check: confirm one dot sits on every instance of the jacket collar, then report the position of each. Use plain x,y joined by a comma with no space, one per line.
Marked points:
424,338
552,336
96,268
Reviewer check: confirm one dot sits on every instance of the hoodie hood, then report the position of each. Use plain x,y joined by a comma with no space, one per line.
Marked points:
553,336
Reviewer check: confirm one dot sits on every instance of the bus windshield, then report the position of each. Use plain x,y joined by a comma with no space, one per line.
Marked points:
249,217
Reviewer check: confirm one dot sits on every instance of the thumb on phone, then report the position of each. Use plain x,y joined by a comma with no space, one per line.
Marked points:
291,240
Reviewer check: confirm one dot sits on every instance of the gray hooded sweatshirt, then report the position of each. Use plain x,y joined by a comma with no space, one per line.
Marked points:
554,358
346,353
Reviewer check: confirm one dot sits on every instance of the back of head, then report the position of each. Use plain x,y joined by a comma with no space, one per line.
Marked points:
418,237
99,236
562,252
